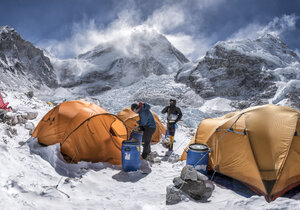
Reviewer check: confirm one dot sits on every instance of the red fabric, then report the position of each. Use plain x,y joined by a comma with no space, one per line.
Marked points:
2,104
140,105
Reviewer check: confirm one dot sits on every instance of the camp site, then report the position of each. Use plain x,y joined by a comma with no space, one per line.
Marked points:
150,105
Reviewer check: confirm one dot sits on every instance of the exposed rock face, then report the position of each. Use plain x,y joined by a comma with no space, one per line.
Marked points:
22,64
120,63
240,70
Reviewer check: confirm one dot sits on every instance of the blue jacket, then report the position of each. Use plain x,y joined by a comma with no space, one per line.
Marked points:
146,117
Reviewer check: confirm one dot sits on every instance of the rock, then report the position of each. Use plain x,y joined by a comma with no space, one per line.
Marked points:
194,184
209,189
27,65
178,182
156,160
245,71
188,173
13,120
166,142
21,120
173,158
201,177
195,189
2,113
30,115
152,157
173,195
29,126
29,94
11,131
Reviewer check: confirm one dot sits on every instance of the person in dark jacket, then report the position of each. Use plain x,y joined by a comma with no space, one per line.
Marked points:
146,124
174,115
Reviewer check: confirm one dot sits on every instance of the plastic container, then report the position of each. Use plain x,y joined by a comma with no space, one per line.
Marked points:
197,156
131,155
137,135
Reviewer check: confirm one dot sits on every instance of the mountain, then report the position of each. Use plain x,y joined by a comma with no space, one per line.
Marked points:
22,64
121,62
248,72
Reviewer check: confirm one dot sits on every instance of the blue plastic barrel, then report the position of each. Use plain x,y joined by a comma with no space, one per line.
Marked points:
131,155
197,156
137,135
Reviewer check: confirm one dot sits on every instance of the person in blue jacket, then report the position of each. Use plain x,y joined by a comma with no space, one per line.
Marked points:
146,124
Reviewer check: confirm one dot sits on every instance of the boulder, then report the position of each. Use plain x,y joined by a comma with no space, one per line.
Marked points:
194,184
29,126
21,120
11,131
173,195
188,173
30,115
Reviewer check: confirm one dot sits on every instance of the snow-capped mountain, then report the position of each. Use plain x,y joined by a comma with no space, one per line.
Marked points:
22,64
37,177
248,72
121,62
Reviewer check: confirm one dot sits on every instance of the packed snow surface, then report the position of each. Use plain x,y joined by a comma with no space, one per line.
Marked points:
30,172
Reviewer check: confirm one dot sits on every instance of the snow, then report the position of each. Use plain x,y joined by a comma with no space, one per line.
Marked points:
30,172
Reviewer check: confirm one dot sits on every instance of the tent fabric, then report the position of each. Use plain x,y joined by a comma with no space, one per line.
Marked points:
129,117
84,130
261,149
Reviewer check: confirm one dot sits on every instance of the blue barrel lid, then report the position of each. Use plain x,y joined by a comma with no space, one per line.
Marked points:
198,147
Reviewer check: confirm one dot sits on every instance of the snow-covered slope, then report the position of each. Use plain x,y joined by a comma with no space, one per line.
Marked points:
22,64
120,62
248,72
30,172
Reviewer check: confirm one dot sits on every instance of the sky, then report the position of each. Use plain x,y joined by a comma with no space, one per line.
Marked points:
67,28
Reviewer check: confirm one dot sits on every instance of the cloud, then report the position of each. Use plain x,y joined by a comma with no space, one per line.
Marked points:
166,18
173,19
277,27
189,46
281,25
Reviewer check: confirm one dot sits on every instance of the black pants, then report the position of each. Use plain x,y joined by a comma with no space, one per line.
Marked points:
148,132
171,129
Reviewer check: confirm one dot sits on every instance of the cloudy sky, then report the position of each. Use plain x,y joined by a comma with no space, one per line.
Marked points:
69,27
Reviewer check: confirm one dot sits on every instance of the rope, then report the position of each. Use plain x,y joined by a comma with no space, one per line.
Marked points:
228,130
213,175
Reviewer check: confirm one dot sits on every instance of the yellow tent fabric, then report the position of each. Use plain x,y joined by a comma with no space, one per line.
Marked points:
129,117
84,130
262,149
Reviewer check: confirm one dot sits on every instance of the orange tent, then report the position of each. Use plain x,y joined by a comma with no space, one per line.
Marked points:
84,130
259,146
129,117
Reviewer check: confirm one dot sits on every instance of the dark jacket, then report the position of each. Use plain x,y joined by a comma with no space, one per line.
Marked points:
146,117
173,110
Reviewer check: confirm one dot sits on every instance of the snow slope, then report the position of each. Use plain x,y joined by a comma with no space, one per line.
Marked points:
31,172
